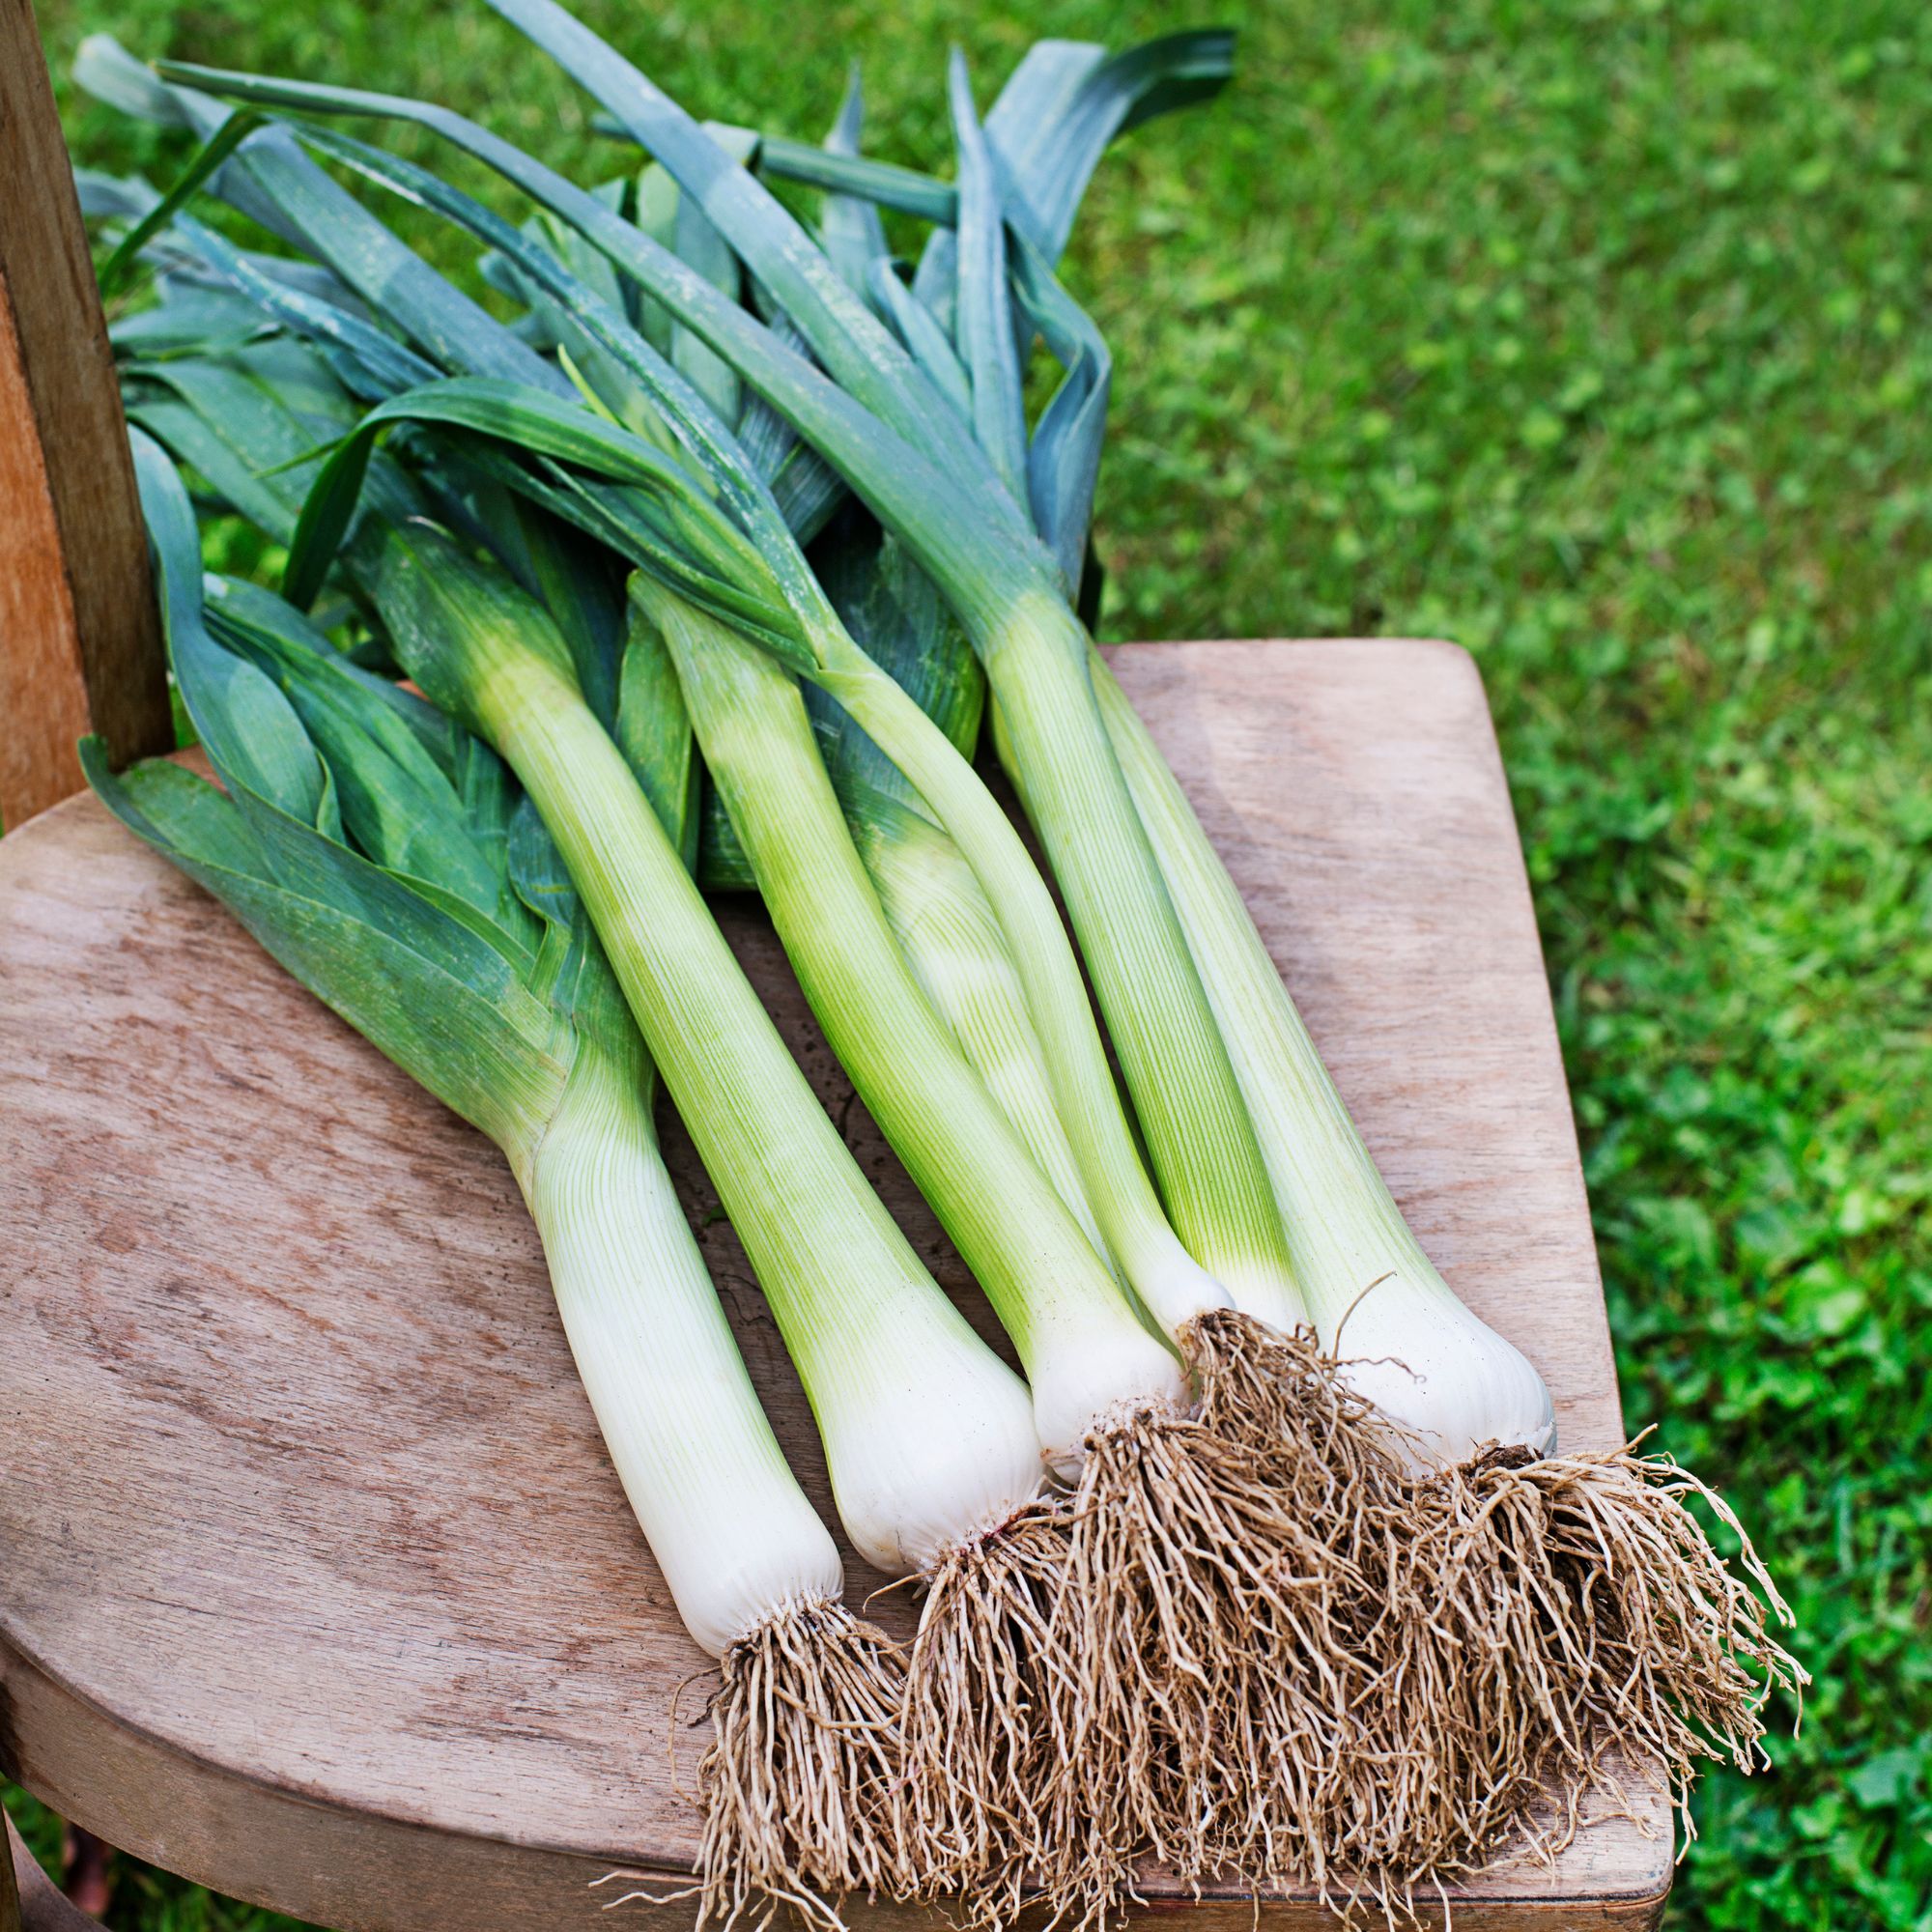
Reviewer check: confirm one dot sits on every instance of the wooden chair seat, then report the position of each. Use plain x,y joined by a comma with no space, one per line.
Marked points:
315,1585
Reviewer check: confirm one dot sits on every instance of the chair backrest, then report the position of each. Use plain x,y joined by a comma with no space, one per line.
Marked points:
81,647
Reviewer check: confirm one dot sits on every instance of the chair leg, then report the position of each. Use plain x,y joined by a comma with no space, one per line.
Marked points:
29,1900
9,1890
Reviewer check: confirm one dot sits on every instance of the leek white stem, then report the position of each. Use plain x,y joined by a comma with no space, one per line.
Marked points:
731,1530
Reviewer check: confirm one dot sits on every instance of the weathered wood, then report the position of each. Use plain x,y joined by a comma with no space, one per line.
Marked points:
80,643
9,1885
29,1900
316,1585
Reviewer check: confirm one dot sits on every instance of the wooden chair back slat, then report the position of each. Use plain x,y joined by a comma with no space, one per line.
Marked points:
81,645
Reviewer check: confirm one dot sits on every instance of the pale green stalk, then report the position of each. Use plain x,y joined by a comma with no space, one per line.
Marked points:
1191,1111
1161,1265
928,1437
952,940
1084,1353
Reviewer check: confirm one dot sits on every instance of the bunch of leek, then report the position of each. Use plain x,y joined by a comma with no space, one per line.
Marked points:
386,858
1277,1203
1099,1377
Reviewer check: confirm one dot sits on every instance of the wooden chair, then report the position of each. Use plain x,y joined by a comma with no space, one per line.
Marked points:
314,1582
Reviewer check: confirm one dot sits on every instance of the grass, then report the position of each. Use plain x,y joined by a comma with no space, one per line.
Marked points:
1592,335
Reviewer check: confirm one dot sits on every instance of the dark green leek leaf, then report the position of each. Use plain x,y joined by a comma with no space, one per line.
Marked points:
371,363
920,329
694,241
238,611
397,803
231,430
1050,157
966,521
127,251
842,172
900,621
246,724
854,237
529,420
982,327
588,319
1053,118
572,975
205,321
863,357
1064,459
105,197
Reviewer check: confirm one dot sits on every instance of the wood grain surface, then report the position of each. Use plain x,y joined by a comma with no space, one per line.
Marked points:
314,1582
80,641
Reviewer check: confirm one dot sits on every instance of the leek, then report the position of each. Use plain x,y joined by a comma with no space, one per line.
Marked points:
382,857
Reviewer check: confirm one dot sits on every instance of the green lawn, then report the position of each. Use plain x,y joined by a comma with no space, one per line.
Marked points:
1593,335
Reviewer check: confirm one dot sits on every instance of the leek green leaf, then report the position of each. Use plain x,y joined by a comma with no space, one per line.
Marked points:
956,509
504,1073
371,363
922,334
850,229
898,618
694,239
247,726
531,419
572,976
983,326
1060,107
864,356
397,803
105,197
121,264
1064,458
234,431
842,172
240,612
